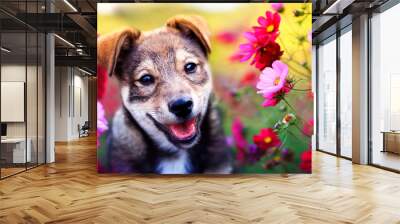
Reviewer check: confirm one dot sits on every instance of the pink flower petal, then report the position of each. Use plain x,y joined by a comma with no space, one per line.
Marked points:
250,36
269,102
280,68
268,15
262,21
277,19
269,90
246,47
246,57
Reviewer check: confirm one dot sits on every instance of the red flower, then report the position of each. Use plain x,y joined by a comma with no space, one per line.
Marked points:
266,139
266,55
250,78
306,160
268,30
226,37
101,81
308,128
310,95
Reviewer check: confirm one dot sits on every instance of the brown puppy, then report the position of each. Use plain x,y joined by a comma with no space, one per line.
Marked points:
167,122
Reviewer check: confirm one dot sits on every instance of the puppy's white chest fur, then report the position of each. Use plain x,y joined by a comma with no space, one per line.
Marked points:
177,164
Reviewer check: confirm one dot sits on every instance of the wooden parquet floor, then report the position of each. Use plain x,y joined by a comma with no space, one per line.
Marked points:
70,191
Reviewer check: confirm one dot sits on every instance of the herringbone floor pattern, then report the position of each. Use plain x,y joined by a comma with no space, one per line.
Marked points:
70,191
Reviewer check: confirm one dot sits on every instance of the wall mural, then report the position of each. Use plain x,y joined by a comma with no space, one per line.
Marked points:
212,88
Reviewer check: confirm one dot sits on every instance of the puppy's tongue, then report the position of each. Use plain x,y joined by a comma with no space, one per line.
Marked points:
184,130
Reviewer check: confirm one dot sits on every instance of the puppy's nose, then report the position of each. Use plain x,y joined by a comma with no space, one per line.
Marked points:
181,107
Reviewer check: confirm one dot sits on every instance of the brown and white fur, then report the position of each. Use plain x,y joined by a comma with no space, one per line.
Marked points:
168,122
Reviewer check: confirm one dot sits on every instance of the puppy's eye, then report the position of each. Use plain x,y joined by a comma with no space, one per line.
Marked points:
146,79
190,68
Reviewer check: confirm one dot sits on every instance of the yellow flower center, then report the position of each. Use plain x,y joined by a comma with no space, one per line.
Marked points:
270,28
268,140
277,81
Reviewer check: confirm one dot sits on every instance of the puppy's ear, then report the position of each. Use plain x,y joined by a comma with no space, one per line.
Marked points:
195,25
110,47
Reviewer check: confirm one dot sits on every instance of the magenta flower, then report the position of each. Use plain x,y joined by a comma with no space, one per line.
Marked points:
270,100
274,98
308,128
102,124
261,42
239,139
227,37
278,7
265,52
247,50
268,29
272,79
237,134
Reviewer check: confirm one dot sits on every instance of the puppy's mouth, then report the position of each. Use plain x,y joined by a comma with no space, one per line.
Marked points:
183,132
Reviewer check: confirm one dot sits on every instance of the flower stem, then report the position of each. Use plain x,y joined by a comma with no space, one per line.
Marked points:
297,126
299,80
301,139
290,106
301,89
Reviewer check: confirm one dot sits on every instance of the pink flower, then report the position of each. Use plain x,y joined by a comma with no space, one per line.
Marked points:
308,128
247,50
239,139
227,37
102,124
272,79
268,30
270,100
273,84
278,7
